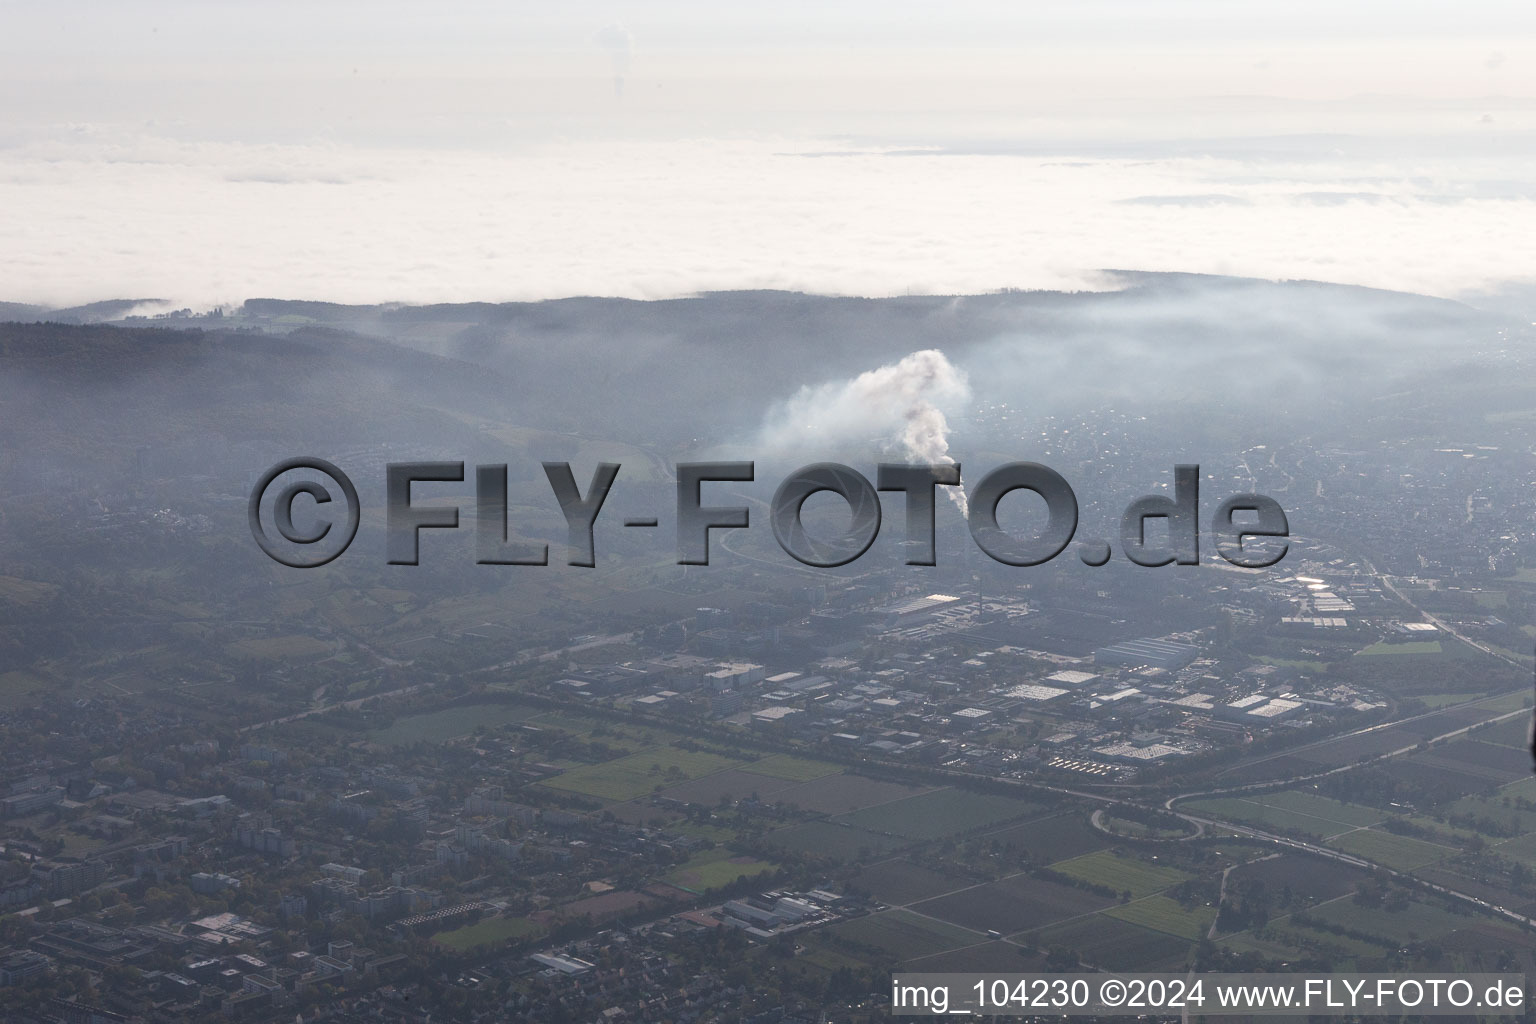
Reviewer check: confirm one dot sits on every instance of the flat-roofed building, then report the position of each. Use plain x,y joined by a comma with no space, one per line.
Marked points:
1035,692
1156,653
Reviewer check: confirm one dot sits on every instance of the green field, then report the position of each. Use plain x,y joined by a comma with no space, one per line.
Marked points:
1522,849
1316,938
1393,926
791,768
714,833
640,773
1440,832
715,868
943,812
1304,802
1112,822
79,846
1512,732
1120,873
830,839
1515,818
449,723
1250,811
1440,700
489,932
1408,647
1525,788
1165,915
1400,852
1520,698
1285,940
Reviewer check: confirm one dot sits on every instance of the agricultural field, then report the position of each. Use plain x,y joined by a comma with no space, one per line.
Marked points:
1270,768
1305,936
1440,700
489,932
712,869
1447,719
1304,802
1118,945
1512,701
830,839
899,882
733,784
1401,852
1121,873
1055,838
1440,832
1348,751
791,768
903,935
1284,940
1421,919
1491,761
1307,878
1249,811
988,957
944,812
839,794
1165,915
1525,789
822,956
639,773
1019,903
1512,732
1439,783
1290,811
1522,849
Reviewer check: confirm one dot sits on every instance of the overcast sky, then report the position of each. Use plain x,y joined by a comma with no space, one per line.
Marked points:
206,152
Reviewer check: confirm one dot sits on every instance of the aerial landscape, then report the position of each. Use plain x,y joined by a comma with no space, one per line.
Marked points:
753,786
725,516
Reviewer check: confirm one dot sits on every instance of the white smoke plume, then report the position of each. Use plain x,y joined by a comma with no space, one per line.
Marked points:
898,405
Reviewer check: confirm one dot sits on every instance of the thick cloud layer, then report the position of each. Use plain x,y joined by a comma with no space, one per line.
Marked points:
208,223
